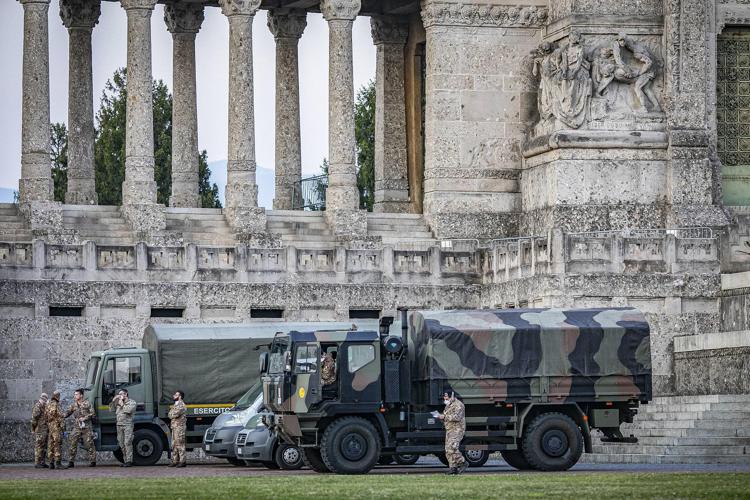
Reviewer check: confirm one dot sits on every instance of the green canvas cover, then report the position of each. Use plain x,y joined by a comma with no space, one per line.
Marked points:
504,354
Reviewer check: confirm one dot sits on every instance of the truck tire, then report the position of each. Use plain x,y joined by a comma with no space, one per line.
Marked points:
476,458
288,457
147,447
552,442
311,458
350,445
515,459
406,459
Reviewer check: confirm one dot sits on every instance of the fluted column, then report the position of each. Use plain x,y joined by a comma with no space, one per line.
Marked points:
287,26
184,21
391,169
36,176
342,196
80,17
242,191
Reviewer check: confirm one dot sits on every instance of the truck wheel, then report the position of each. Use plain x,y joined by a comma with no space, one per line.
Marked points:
476,458
311,458
147,447
552,442
288,457
118,455
515,459
406,459
236,462
350,445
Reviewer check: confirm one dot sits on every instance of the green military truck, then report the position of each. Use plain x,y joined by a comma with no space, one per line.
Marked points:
213,364
534,383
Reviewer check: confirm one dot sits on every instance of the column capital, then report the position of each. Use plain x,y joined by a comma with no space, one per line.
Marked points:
287,23
239,7
342,10
183,18
138,4
82,14
386,29
24,2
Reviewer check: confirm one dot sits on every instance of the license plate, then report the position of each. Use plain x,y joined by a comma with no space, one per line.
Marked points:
239,451
208,447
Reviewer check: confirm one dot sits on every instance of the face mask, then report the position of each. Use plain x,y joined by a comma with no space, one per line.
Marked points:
446,402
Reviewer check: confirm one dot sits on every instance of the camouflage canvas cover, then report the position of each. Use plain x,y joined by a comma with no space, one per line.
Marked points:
518,354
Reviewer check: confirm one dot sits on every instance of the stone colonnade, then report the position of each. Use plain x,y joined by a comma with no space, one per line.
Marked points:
183,21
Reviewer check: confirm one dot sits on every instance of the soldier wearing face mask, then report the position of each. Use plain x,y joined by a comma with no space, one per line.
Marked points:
454,421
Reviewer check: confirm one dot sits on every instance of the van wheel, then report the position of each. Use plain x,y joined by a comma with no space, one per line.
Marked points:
288,457
406,459
350,445
552,442
147,447
311,458
515,459
476,458
118,455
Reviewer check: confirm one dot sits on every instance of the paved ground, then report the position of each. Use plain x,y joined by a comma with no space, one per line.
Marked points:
424,466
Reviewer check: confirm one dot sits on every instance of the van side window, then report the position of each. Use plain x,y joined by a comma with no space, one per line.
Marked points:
359,356
306,360
118,373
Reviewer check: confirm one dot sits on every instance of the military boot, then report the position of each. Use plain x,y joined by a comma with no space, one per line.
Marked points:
41,465
59,465
127,464
52,465
461,468
181,464
71,464
451,471
172,464
92,464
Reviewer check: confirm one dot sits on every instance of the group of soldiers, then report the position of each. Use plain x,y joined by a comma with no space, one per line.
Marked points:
48,426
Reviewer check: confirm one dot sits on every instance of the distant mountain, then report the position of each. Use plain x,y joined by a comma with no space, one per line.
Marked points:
263,176
6,194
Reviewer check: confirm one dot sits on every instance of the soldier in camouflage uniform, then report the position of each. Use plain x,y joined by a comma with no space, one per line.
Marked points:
39,429
55,428
455,425
328,369
178,423
124,409
82,414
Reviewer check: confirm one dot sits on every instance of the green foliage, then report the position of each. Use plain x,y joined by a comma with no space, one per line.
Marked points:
209,193
162,142
58,156
364,130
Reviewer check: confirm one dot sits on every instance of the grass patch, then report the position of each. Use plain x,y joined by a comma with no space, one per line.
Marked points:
504,485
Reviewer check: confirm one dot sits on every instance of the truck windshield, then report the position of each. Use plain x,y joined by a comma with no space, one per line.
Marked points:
277,355
91,369
250,396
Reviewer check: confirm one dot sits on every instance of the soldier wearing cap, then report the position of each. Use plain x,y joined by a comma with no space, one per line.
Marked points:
82,414
454,421
178,423
39,429
55,427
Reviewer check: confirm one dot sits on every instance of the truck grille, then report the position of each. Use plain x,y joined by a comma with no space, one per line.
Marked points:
210,435
241,438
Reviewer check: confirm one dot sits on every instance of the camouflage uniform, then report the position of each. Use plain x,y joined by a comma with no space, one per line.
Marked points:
455,426
55,425
80,410
39,428
124,415
178,423
328,370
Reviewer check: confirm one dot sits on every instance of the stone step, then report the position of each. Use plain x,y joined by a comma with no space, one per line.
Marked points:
692,432
200,229
196,218
691,441
310,245
299,224
683,424
711,398
379,215
651,408
695,415
275,214
14,231
411,235
105,221
612,449
636,458
90,210
16,238
11,224
177,211
307,237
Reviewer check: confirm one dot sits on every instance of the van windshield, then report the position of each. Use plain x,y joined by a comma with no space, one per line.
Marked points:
250,396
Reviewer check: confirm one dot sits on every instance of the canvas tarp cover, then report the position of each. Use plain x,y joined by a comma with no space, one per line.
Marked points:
524,343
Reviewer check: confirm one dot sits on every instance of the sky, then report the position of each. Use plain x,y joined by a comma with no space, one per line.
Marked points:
212,56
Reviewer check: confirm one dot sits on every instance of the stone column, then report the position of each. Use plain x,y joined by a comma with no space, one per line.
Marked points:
80,17
342,197
287,26
139,187
184,21
391,178
242,209
36,177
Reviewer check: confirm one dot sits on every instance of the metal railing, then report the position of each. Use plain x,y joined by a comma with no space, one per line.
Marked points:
310,193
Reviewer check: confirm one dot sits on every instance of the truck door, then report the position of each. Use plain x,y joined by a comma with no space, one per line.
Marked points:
121,372
360,373
306,377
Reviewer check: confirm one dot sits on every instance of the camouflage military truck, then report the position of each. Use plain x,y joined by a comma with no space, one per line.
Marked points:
534,383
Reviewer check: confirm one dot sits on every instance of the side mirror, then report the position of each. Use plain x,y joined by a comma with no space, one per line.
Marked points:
263,363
